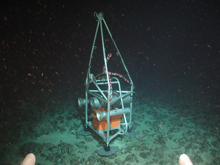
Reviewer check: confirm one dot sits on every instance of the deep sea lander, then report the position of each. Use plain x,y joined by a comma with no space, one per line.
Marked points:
108,95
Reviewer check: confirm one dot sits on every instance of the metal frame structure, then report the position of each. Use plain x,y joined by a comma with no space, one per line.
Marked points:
107,93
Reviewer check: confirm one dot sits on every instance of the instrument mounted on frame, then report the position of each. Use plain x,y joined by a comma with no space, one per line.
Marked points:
111,105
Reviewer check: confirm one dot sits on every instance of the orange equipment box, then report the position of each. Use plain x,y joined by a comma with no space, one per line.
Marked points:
115,121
